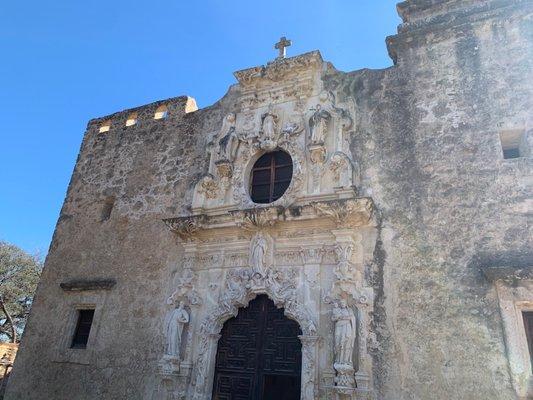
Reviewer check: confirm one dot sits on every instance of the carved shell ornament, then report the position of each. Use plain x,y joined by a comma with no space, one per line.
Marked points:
255,219
349,213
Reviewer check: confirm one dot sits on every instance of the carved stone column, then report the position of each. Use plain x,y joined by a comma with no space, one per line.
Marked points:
205,366
364,362
317,154
312,258
349,279
309,367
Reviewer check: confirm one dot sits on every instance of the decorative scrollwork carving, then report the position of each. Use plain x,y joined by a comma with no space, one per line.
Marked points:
185,227
185,289
209,187
256,218
346,213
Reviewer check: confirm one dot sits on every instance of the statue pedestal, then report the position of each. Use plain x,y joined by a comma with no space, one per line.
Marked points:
173,379
169,365
344,382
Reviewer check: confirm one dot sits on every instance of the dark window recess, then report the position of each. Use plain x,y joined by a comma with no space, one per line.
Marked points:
513,143
83,328
528,323
107,208
271,176
511,153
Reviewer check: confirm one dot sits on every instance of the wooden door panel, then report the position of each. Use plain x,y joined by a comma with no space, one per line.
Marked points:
258,350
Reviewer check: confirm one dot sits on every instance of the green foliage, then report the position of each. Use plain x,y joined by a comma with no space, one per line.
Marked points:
19,275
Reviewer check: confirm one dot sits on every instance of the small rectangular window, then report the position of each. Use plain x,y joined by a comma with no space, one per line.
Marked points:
528,324
513,143
83,328
109,203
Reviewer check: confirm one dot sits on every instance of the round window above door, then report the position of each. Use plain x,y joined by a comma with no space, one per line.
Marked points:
271,176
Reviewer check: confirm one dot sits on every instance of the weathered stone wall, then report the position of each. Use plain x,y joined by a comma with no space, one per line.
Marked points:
150,169
427,143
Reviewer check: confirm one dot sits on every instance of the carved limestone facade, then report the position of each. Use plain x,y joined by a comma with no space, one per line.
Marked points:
307,251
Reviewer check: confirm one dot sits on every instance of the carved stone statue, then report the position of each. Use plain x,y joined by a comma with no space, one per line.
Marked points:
345,334
228,142
258,254
269,128
175,321
318,124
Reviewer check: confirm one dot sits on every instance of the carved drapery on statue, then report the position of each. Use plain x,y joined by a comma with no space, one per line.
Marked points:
228,141
269,131
259,254
318,125
345,333
175,322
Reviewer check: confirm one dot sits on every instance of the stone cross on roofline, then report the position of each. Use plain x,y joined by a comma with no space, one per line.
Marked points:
282,47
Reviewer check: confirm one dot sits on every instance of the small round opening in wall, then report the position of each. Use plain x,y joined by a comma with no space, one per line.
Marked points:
271,176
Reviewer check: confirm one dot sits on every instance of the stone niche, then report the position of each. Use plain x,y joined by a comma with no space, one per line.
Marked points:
307,251
514,285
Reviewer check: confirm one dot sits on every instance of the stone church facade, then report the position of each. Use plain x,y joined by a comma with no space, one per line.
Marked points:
314,234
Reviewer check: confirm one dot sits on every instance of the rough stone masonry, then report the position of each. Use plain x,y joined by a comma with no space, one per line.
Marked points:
400,245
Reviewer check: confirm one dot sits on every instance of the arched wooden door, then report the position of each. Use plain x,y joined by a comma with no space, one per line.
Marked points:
259,355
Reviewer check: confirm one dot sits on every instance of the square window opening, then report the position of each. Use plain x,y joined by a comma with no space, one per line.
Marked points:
513,144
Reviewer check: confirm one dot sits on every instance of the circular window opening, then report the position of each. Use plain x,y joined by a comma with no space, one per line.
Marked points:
271,176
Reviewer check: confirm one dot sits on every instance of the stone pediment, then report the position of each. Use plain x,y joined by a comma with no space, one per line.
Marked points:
281,80
280,69
282,106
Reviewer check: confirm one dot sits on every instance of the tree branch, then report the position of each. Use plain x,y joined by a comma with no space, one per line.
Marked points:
10,320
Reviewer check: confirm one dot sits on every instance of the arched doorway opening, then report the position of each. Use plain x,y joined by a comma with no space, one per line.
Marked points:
259,355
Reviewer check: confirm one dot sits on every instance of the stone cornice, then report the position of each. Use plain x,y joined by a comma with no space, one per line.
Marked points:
347,213
417,13
422,17
79,285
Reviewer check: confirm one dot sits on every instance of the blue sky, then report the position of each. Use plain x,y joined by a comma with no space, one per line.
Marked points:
65,62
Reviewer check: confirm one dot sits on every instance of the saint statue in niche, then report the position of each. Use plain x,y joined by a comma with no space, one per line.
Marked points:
318,124
228,142
345,333
269,126
258,254
175,321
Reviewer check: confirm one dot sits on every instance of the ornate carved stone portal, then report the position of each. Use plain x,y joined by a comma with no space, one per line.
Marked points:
309,251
